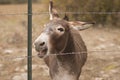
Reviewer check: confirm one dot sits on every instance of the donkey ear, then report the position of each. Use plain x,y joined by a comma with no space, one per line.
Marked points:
66,17
78,25
52,12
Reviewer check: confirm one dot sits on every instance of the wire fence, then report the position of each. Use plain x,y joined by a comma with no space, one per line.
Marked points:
39,13
10,58
7,58
46,13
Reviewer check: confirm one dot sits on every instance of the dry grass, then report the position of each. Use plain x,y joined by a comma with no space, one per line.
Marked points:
13,43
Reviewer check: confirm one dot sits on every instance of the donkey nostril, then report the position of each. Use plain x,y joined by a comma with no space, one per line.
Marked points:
41,44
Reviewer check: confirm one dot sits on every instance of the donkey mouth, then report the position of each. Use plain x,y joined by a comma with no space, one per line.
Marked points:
42,52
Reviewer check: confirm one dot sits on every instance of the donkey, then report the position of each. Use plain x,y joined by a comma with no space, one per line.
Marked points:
59,38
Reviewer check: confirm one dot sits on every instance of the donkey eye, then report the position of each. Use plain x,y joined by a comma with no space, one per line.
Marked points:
60,29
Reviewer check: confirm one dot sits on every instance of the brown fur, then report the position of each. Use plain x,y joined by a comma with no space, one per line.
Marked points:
62,37
71,62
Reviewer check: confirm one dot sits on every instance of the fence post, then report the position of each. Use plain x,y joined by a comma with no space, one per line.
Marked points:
29,44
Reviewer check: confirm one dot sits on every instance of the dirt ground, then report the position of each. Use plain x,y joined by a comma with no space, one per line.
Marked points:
103,45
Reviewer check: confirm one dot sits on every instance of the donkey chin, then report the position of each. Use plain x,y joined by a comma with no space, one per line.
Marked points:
43,52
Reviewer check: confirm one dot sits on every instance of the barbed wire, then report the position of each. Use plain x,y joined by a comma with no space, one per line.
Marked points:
39,13
25,13
9,58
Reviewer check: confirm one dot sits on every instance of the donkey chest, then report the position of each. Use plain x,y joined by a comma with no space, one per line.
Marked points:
64,74
63,69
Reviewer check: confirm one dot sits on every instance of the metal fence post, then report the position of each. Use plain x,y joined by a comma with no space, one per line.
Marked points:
29,45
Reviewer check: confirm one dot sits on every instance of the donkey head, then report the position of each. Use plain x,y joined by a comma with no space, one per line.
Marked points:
54,37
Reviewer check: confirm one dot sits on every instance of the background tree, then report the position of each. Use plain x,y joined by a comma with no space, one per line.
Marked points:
83,6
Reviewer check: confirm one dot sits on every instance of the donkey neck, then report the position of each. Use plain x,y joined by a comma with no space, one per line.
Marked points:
70,47
66,64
